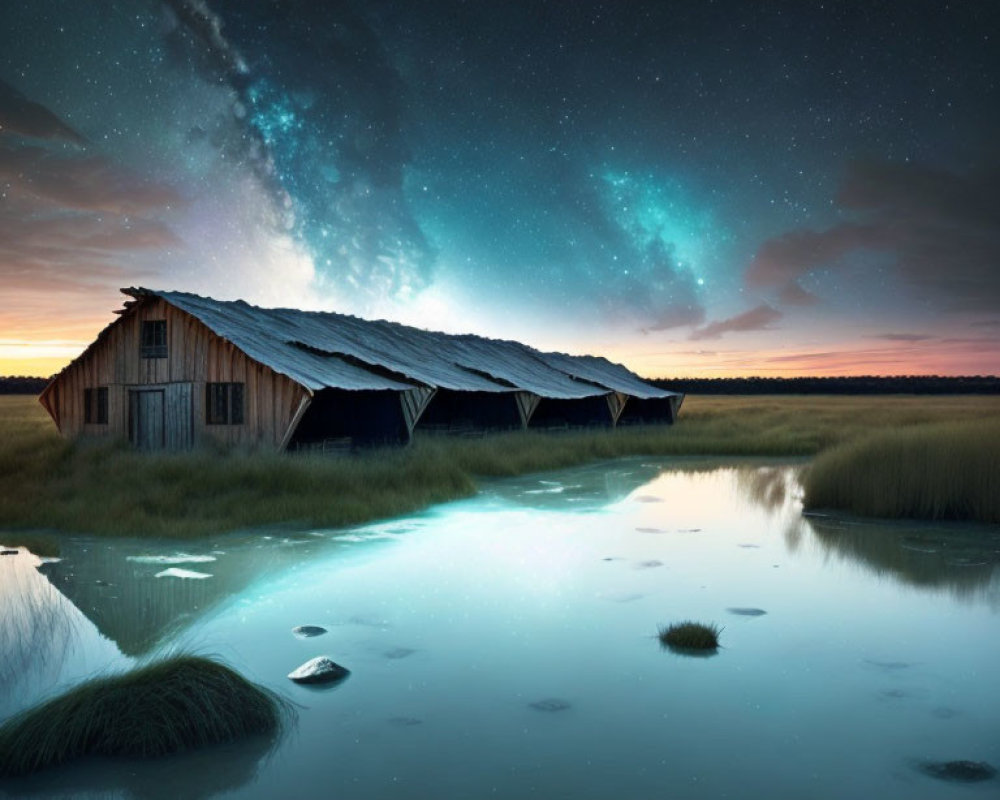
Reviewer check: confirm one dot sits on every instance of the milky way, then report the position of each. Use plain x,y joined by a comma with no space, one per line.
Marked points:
652,176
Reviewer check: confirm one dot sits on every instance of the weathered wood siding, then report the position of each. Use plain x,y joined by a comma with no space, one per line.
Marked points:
195,356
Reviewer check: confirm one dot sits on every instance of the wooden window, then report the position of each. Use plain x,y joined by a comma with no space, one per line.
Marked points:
224,403
154,339
95,406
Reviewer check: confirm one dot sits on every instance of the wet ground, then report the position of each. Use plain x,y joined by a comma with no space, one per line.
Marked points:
506,645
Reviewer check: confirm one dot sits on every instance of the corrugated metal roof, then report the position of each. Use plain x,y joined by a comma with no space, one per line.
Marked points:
273,340
604,373
322,349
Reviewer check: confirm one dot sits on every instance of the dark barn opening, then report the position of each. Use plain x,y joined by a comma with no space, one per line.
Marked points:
654,411
576,413
341,418
457,412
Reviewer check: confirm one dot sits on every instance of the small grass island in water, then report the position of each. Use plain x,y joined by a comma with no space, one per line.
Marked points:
691,636
177,704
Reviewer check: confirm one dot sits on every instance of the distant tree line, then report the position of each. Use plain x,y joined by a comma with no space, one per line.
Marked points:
864,384
21,384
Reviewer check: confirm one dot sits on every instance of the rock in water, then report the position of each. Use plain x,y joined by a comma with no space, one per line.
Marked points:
308,631
747,612
405,722
177,572
960,771
550,705
319,670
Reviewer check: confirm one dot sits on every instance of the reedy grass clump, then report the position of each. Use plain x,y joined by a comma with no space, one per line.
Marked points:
177,704
944,471
690,636
47,482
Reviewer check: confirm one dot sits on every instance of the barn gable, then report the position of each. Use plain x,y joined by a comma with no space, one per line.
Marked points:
158,398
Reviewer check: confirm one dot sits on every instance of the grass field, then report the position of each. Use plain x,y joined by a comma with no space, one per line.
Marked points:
47,483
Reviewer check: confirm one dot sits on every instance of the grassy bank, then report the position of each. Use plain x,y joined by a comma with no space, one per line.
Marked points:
945,471
178,704
48,483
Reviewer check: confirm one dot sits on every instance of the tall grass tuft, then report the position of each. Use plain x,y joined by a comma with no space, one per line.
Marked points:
944,471
181,703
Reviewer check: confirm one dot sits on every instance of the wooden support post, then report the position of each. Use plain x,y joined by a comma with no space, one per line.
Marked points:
616,404
526,405
415,402
303,405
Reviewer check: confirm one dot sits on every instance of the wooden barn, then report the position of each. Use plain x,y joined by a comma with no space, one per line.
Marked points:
177,369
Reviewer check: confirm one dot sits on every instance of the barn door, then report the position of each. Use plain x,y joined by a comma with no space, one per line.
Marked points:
179,416
145,425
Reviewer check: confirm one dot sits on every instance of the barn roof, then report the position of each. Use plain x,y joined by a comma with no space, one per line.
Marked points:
321,349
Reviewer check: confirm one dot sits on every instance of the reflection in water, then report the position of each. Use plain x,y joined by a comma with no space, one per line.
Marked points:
594,486
35,628
962,558
123,588
589,487
125,600
792,534
767,487
43,636
534,606
47,644
196,775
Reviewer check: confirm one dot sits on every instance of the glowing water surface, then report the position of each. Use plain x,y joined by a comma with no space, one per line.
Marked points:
505,646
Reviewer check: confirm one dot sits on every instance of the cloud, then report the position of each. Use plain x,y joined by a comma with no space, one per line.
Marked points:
49,249
903,337
756,319
74,220
943,230
787,257
81,232
792,294
25,117
943,357
71,224
675,316
81,182
989,342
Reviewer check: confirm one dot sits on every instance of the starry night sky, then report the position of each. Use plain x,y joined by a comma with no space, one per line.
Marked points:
692,188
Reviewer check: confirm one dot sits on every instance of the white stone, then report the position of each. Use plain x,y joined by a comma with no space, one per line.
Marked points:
319,670
176,572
